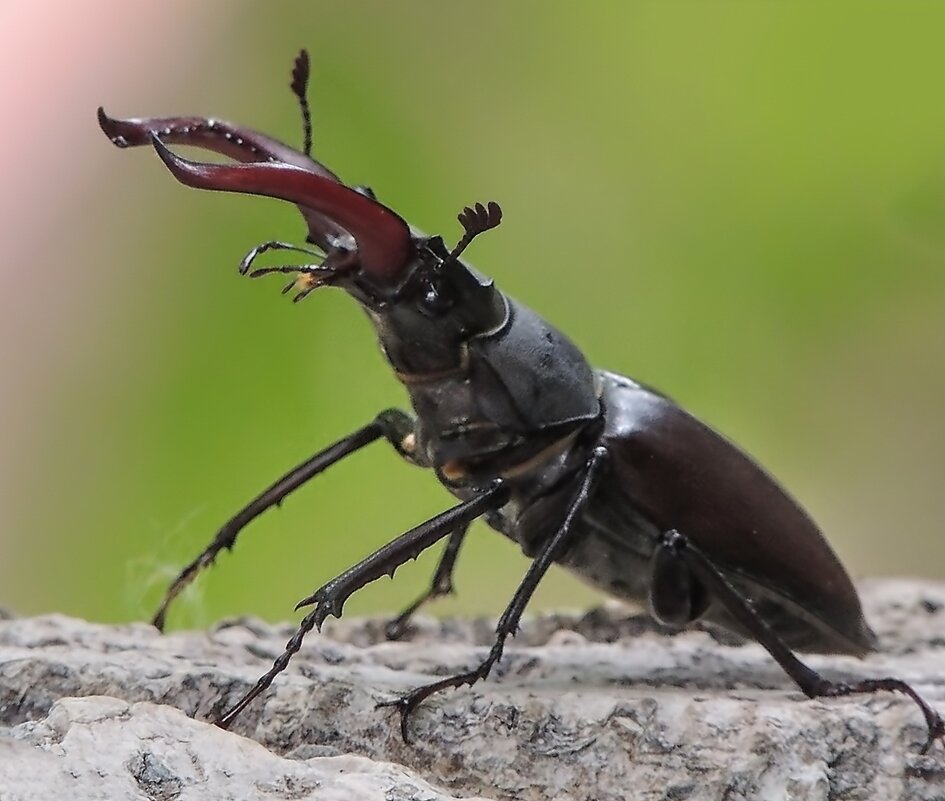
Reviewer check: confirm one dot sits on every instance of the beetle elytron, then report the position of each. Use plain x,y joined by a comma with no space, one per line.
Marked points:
582,467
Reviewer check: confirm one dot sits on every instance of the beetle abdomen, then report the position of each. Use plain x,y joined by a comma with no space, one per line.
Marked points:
671,471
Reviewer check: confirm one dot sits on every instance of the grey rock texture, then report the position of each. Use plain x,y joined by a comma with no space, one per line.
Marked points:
105,748
601,706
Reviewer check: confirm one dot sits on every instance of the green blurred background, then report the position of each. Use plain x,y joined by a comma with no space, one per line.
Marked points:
740,203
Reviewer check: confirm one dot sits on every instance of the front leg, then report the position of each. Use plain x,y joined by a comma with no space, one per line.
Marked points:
395,426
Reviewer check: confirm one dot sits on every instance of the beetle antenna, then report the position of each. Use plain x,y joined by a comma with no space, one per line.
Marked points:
475,220
300,73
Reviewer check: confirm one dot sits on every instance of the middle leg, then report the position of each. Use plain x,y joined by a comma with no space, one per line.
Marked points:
508,622
441,585
394,425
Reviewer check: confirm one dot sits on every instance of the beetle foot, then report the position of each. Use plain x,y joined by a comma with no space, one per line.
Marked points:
396,628
407,703
404,708
933,721
936,732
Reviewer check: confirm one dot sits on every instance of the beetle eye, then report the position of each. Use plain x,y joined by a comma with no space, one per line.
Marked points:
437,300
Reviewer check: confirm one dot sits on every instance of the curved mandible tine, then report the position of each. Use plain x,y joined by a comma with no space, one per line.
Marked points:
220,136
383,238
227,139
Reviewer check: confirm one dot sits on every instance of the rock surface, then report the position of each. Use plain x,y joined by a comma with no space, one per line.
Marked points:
600,706
103,748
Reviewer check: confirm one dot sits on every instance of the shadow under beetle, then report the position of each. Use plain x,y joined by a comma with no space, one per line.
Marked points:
580,467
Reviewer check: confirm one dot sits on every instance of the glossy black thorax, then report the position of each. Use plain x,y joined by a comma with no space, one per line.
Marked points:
491,382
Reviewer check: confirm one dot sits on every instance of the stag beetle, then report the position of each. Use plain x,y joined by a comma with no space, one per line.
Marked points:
580,467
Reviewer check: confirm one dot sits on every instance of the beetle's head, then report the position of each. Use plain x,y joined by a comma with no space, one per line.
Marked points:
423,300
439,305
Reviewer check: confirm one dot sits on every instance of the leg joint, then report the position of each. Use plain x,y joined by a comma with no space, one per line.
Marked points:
399,429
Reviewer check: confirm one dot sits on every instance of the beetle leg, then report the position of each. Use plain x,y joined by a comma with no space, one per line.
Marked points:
441,585
508,623
330,598
811,683
396,426
676,596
